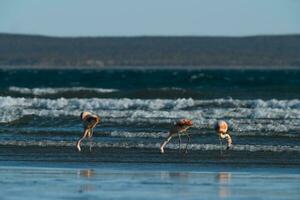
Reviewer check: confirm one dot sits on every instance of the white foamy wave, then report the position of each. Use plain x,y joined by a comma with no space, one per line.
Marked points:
194,132
44,91
96,103
144,145
165,104
264,116
127,134
171,88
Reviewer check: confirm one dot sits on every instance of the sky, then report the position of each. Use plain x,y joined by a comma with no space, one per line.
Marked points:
150,17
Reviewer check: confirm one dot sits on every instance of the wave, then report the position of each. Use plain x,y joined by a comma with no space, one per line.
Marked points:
242,115
153,104
193,133
169,89
45,91
160,133
127,134
140,145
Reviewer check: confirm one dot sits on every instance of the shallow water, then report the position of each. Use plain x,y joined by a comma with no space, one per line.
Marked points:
108,182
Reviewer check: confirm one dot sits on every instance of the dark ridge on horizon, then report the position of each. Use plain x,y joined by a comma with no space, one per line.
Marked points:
49,51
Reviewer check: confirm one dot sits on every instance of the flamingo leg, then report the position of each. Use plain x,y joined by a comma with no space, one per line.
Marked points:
91,131
165,143
90,138
85,133
179,141
221,150
189,140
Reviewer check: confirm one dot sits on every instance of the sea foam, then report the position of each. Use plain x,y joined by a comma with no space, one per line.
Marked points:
149,145
48,90
242,115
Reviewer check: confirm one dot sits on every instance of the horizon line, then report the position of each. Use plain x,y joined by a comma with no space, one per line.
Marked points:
144,36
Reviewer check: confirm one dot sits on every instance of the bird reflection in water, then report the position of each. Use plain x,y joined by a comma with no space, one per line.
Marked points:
223,179
174,175
86,174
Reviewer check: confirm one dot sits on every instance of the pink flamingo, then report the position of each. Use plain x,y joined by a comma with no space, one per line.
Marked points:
178,129
221,128
89,122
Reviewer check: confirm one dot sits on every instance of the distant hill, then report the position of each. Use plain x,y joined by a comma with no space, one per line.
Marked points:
19,50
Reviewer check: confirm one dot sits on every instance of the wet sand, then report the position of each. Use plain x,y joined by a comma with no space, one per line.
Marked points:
134,181
33,172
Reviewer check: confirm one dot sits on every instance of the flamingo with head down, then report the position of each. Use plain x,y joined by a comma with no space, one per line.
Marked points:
178,129
221,128
89,123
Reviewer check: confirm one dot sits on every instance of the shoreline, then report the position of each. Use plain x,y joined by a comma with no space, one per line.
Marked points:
150,167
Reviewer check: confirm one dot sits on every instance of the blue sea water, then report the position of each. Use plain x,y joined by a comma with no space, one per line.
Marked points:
39,125
119,182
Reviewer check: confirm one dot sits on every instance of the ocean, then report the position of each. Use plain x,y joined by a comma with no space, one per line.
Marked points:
39,126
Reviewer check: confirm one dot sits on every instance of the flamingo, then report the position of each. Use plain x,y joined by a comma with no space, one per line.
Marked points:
89,123
178,129
221,128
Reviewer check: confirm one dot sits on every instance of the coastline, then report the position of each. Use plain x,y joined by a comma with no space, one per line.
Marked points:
137,167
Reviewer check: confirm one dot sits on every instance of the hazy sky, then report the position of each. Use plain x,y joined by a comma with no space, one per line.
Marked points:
149,17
